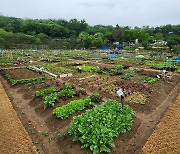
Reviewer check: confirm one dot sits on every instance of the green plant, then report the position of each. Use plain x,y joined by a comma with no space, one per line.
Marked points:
138,70
60,135
127,76
115,70
50,100
45,133
149,80
87,68
64,111
68,86
56,69
96,127
25,81
66,93
96,97
43,92
137,98
82,90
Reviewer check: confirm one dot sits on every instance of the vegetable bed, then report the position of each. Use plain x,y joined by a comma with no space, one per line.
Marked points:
96,127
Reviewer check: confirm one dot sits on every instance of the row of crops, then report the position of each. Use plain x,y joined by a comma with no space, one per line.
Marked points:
96,127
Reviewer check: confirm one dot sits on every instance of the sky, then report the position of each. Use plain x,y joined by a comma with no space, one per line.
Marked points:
106,12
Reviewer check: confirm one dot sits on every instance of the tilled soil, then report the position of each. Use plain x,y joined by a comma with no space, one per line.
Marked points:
166,137
22,73
13,137
36,120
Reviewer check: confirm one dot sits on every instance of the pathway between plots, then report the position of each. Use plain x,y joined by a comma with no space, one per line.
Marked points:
166,137
13,137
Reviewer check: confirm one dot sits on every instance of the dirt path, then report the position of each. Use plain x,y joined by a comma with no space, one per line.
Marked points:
166,137
13,137
149,122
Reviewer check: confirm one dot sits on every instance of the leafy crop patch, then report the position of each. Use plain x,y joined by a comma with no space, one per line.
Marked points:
73,106
96,127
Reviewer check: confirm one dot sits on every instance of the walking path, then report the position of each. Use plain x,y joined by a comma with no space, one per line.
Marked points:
13,137
166,137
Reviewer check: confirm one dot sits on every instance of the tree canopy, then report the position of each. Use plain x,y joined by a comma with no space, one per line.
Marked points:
56,33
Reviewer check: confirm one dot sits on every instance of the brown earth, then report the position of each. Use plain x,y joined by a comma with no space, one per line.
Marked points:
13,137
166,137
22,73
36,120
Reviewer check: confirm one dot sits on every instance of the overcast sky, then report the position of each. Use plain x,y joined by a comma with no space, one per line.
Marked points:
106,12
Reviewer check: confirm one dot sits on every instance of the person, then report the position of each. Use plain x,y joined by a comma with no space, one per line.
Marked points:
165,74
169,75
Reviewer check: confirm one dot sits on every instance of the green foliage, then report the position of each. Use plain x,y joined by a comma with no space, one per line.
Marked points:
86,68
115,70
59,33
127,48
137,98
138,70
68,86
43,92
149,80
64,111
45,133
82,90
50,100
9,39
68,93
178,70
96,127
56,69
160,65
96,97
127,76
60,135
30,80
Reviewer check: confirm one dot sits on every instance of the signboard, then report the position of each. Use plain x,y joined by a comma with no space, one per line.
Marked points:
120,92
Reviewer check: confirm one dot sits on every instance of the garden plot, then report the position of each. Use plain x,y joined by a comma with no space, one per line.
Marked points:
144,95
48,110
23,73
46,123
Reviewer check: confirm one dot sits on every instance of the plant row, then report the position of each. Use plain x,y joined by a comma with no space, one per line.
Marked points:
43,92
96,127
149,80
30,80
64,111
66,92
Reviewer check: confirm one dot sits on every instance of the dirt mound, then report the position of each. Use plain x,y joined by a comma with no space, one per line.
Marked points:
166,137
13,137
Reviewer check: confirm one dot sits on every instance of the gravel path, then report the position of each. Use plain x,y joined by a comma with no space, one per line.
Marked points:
13,137
166,137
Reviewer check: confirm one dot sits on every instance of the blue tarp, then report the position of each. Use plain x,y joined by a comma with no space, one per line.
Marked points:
112,55
118,47
105,48
177,59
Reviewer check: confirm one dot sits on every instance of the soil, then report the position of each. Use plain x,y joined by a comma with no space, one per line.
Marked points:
166,137
22,73
36,120
13,136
